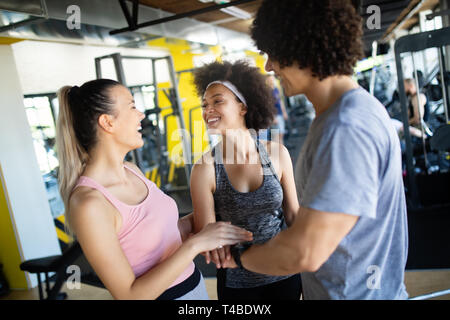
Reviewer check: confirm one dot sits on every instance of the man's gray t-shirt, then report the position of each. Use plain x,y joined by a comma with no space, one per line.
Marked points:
351,163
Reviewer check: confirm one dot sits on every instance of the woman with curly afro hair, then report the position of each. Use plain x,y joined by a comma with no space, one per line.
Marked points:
243,180
349,239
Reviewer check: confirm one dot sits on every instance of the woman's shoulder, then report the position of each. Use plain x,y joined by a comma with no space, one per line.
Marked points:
84,197
279,156
87,202
205,161
203,169
275,149
90,214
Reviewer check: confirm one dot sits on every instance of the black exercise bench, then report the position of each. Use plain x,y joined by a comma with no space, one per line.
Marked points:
57,264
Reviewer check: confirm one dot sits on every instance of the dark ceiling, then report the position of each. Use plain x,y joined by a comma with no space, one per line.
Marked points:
392,12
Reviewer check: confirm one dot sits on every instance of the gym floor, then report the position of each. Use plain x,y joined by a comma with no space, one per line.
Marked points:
417,283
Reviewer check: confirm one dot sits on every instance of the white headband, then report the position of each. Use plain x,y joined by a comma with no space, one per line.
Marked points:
232,88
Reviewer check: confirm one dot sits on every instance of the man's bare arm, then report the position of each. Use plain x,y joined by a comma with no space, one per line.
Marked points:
304,246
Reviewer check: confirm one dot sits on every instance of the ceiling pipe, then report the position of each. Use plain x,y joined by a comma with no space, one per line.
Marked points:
410,14
176,16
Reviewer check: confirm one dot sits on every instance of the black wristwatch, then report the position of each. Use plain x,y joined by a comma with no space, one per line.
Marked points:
237,251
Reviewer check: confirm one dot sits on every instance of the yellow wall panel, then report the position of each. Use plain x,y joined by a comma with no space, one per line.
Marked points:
183,60
259,59
5,40
9,250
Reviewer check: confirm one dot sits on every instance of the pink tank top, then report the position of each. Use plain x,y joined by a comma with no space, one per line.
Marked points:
149,232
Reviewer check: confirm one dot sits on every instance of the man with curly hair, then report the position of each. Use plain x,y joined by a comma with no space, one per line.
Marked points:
349,239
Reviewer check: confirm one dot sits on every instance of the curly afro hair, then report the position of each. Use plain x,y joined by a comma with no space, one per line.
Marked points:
323,35
249,81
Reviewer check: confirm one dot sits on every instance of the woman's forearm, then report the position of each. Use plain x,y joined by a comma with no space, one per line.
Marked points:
160,277
186,226
201,219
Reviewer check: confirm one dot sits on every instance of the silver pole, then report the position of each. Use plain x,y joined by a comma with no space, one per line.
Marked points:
372,75
443,84
418,110
432,295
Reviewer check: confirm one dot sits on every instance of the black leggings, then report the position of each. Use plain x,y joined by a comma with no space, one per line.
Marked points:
287,289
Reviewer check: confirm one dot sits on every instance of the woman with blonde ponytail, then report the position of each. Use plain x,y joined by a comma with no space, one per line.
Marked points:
72,158
128,229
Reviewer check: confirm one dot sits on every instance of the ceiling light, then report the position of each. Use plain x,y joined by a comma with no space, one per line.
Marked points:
232,11
236,12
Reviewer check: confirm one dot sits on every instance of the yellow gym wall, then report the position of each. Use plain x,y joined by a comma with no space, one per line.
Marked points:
5,40
259,59
183,59
9,250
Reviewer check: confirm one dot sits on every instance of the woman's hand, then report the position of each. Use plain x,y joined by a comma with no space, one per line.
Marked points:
219,256
217,235
222,258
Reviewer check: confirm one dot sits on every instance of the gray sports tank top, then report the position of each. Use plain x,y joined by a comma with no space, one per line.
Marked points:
259,211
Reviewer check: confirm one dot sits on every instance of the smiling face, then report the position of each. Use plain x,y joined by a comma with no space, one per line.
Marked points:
125,125
293,79
222,110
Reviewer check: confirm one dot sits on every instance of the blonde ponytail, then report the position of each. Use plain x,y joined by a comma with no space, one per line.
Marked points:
71,155
76,131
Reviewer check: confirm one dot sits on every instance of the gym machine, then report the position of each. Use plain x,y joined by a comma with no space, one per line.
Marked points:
410,45
427,185
154,132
